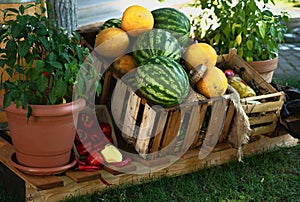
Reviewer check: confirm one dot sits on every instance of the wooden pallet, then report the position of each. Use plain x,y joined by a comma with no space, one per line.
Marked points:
72,182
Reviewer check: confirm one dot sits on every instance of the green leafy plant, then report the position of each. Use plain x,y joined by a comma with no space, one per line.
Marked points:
245,25
45,65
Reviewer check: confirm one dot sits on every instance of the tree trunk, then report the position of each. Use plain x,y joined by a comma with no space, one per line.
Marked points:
65,14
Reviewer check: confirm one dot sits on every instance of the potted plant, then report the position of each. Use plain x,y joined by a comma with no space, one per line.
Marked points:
249,26
49,75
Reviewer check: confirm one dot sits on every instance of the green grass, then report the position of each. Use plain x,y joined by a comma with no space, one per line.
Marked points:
287,82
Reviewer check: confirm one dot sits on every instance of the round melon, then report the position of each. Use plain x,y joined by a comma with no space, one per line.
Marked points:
162,81
200,54
124,64
111,42
173,20
156,42
213,84
136,20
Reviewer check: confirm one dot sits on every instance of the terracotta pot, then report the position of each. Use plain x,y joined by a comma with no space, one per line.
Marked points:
265,68
47,139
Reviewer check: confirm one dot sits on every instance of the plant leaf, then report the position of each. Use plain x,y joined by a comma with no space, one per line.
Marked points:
249,44
262,26
60,88
238,39
23,48
56,64
42,83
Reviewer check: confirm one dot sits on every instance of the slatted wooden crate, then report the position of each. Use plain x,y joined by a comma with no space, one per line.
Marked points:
155,131
264,109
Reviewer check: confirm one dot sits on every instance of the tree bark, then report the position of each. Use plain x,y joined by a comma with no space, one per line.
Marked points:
65,14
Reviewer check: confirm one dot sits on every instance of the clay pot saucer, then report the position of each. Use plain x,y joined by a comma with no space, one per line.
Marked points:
42,171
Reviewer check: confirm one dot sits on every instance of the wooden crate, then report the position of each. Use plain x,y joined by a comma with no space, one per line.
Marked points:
156,132
73,183
264,109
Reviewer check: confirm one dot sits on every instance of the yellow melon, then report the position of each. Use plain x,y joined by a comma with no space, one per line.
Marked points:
112,42
213,84
136,20
200,53
124,64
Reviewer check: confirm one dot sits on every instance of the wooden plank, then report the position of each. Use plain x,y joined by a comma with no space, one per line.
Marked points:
250,74
172,131
105,87
130,119
263,107
118,103
267,118
279,96
83,176
145,131
119,170
228,120
193,127
264,129
201,119
158,132
215,127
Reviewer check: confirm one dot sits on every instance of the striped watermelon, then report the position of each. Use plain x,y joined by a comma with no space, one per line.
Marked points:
173,20
113,22
156,42
163,81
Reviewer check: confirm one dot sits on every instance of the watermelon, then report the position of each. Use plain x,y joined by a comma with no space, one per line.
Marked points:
113,22
162,81
173,20
156,42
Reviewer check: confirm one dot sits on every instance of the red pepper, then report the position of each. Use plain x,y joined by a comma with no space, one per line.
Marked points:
96,138
106,129
81,136
84,149
95,159
89,168
87,120
80,161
